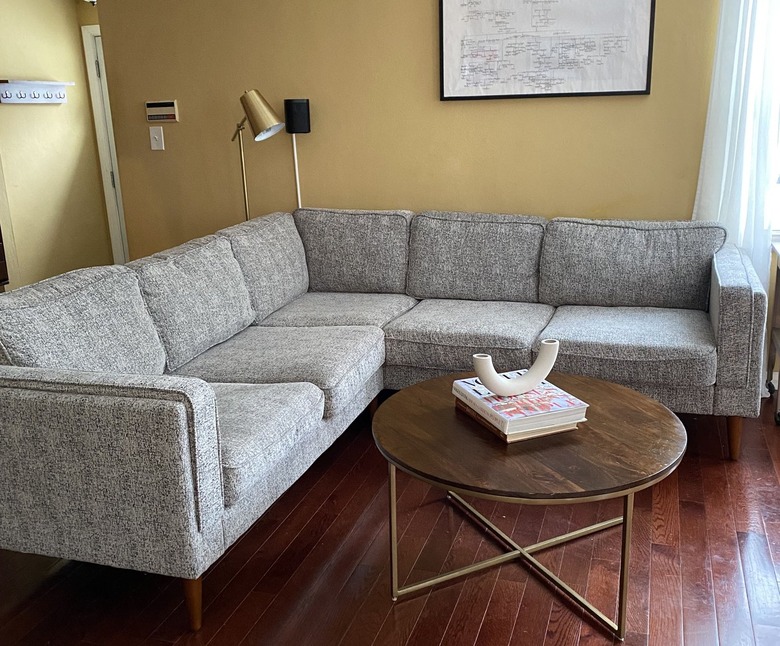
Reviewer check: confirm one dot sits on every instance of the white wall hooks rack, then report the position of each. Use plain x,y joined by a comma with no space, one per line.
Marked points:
12,91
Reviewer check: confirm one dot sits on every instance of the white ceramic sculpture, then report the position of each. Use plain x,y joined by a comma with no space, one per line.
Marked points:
483,365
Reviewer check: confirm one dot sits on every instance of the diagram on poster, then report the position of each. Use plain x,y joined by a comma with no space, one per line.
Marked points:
500,48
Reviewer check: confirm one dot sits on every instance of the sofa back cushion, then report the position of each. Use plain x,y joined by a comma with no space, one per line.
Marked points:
628,263
355,251
475,256
271,256
196,295
90,319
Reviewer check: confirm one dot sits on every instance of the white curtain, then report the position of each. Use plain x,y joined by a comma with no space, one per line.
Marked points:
739,171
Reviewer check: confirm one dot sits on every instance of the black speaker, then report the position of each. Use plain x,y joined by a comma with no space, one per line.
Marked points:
296,115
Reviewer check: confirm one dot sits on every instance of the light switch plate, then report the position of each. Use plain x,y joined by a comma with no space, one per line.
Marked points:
156,138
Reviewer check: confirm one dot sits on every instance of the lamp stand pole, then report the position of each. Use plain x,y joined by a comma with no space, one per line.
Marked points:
297,176
240,134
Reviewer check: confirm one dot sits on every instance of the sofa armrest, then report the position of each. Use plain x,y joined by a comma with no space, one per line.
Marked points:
738,307
122,470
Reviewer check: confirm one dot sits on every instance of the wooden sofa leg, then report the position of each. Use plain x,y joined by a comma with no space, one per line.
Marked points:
734,427
193,599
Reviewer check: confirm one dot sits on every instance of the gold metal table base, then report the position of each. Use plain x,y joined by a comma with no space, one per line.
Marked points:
524,554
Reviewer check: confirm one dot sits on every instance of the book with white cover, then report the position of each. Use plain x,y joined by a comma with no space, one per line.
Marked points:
545,405
515,436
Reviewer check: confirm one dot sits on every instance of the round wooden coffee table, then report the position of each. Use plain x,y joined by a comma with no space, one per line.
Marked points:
629,443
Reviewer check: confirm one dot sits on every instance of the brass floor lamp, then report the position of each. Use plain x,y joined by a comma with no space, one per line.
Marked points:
263,123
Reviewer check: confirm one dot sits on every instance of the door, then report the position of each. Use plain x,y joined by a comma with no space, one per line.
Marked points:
104,129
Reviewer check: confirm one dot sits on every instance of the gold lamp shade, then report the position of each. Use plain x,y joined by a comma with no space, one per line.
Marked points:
262,119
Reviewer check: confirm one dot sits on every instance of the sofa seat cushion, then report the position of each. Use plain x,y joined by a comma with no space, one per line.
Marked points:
333,308
615,263
355,251
260,426
90,319
338,360
475,256
635,345
272,259
196,295
444,334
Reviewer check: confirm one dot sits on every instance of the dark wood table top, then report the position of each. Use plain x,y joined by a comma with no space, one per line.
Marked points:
629,442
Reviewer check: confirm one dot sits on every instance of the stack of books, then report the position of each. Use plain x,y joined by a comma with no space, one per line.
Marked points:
542,411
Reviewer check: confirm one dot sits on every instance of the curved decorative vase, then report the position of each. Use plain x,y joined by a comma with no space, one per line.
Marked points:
483,365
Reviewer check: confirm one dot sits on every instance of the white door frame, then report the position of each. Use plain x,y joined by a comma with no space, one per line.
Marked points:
6,225
104,130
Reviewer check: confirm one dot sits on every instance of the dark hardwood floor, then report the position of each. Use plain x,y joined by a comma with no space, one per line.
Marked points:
705,565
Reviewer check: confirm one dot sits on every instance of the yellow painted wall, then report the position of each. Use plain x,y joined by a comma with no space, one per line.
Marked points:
380,136
53,201
87,13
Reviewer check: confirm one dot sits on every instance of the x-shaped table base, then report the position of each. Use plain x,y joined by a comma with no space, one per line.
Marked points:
524,554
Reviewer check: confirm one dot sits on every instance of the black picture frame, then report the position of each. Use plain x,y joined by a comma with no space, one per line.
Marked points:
503,63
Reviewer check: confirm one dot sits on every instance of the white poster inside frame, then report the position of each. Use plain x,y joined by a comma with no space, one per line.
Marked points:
538,48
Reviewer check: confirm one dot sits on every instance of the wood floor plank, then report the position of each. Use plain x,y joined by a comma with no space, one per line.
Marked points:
467,617
246,615
139,609
760,580
24,574
535,609
372,613
746,498
326,570
43,615
288,561
527,531
689,485
472,544
307,557
601,592
563,627
102,591
419,558
498,624
368,552
771,433
666,512
731,606
772,532
602,586
638,611
46,594
666,616
700,624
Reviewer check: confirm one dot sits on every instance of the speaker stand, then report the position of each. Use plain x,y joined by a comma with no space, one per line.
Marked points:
297,176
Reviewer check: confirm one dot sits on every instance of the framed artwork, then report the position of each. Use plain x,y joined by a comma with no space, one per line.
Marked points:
493,49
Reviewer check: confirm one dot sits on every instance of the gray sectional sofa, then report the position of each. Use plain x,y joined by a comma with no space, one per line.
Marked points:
150,413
